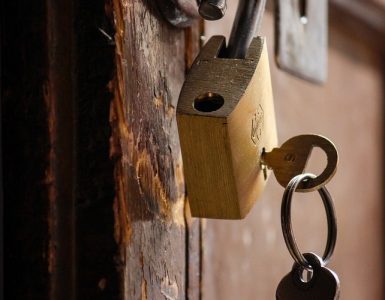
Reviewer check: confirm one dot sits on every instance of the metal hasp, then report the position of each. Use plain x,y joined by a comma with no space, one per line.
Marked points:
181,13
247,22
301,38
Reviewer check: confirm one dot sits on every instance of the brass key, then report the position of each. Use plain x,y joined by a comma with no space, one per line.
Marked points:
291,158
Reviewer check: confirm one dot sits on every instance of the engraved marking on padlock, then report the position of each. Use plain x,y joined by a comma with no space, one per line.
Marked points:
220,141
257,125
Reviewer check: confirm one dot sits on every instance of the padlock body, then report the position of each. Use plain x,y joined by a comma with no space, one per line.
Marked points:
225,118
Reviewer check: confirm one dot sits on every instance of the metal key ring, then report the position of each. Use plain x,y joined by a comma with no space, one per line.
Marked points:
287,229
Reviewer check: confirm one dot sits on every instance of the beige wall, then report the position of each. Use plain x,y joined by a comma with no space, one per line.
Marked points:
246,259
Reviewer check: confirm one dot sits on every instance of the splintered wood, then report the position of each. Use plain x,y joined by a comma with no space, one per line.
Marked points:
150,195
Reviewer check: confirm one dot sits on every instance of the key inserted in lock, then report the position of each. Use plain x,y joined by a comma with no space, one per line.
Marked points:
291,158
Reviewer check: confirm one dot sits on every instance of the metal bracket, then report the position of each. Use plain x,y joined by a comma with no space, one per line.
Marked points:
301,30
301,38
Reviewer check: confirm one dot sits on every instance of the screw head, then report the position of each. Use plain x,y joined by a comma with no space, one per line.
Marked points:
212,9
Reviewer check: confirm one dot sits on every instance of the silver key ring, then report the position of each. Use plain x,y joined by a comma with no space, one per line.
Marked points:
287,229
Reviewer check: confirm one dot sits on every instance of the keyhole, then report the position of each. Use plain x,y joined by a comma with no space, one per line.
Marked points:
208,102
303,11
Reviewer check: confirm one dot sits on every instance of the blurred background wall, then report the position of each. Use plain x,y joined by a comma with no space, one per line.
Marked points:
247,259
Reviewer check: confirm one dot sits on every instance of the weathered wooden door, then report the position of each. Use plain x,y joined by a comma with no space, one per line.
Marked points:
94,188
94,195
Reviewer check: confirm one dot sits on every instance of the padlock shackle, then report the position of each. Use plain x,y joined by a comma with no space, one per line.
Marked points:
247,21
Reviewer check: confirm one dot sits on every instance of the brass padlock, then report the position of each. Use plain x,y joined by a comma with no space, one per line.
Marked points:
225,120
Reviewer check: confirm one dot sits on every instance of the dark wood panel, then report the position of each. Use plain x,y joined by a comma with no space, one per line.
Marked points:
96,267
38,148
61,171
25,149
95,212
55,117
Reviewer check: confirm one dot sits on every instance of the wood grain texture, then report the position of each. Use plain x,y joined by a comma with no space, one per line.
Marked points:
193,225
221,148
150,225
